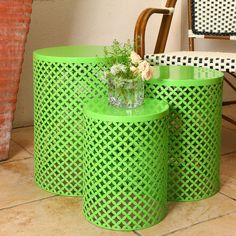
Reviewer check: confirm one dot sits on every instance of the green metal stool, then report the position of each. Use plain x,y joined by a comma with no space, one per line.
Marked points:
125,164
195,99
64,78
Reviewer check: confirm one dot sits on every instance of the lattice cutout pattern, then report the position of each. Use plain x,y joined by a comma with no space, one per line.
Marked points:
194,142
211,17
125,173
60,90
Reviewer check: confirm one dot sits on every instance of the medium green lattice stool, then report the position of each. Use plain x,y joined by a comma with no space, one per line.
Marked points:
195,97
64,78
125,165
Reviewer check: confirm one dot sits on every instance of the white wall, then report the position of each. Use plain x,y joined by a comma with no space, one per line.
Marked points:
64,22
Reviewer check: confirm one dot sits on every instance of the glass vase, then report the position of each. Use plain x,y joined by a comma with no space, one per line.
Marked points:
125,93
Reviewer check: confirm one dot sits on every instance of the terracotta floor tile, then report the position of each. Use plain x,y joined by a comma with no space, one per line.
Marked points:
185,214
17,184
228,175
229,111
228,141
223,226
24,137
58,216
16,152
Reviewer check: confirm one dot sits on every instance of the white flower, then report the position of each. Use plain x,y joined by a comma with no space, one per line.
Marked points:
104,77
134,69
143,66
117,68
135,58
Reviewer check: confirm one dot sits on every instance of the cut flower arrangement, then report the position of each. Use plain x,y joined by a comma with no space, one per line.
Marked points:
126,75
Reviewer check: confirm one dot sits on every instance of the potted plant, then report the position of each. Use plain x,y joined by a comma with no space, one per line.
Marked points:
14,26
126,75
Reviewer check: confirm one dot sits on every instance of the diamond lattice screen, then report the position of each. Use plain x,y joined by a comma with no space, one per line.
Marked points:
125,173
60,90
194,142
214,17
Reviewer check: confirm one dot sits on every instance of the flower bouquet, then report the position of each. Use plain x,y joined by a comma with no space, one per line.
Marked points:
126,75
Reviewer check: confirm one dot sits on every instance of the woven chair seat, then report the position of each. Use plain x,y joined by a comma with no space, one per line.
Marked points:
214,60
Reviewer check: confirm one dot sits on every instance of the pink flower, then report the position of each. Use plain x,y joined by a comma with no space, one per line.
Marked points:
144,65
147,74
146,70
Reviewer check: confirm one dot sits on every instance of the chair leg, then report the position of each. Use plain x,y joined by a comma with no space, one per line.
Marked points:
229,83
227,103
229,119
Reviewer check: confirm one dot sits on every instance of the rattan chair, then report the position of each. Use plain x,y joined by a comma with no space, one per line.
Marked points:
140,28
208,19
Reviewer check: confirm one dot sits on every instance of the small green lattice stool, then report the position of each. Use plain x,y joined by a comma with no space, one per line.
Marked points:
125,164
64,78
195,99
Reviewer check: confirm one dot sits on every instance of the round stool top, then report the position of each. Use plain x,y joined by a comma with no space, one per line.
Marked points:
74,54
100,109
185,76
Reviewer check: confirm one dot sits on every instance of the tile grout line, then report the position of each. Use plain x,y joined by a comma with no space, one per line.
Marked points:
225,154
198,223
234,199
10,161
137,233
26,203
22,147
22,127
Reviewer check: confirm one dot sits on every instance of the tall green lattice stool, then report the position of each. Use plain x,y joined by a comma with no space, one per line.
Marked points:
195,98
125,165
64,78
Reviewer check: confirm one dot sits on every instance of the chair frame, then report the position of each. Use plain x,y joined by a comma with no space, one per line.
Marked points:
191,39
140,30
191,48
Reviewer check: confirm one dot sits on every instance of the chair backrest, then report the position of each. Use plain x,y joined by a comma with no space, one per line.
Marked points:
140,27
216,18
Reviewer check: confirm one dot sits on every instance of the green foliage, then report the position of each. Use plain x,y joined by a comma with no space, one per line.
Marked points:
119,54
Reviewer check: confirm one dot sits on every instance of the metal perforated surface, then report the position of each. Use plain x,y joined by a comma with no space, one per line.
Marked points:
194,146
125,173
60,90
